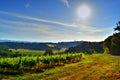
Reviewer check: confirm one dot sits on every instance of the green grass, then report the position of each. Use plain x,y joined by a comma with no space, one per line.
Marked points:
49,72
29,52
35,52
92,67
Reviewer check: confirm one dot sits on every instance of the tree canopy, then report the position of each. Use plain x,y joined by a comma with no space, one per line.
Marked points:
118,26
112,43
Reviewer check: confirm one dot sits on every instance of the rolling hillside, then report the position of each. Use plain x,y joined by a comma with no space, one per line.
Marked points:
87,47
37,45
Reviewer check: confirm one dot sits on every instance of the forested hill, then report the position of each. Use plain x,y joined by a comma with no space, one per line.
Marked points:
37,45
112,44
87,47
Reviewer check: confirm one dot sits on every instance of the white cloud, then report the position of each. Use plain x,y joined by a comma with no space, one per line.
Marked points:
25,26
38,19
76,26
66,2
35,29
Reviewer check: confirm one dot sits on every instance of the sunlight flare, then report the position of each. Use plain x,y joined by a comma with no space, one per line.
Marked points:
83,11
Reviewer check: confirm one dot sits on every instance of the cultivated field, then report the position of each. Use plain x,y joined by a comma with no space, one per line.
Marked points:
89,67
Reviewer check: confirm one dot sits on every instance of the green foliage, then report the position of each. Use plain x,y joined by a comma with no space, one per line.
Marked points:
90,51
23,63
87,47
106,51
112,44
118,26
94,67
37,45
48,52
7,53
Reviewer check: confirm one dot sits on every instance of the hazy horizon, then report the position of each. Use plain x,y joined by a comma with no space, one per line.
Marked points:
7,40
58,20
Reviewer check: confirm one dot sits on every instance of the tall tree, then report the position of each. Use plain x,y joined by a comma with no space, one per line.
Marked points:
118,26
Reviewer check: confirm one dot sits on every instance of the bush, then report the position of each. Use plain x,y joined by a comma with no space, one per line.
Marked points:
48,52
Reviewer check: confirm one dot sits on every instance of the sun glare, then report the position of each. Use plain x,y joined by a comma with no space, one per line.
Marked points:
83,11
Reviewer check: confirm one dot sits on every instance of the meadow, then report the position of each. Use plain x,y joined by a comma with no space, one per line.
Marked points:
35,52
28,52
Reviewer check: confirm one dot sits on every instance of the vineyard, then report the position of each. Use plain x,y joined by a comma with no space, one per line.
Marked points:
18,65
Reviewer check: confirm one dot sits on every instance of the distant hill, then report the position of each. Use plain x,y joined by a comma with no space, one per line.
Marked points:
87,47
5,40
37,45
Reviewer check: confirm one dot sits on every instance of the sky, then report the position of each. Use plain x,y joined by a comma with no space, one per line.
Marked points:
58,20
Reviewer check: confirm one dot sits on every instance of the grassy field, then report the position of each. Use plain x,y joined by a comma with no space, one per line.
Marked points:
35,52
93,67
29,52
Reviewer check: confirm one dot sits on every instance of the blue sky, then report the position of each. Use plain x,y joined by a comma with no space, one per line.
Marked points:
57,20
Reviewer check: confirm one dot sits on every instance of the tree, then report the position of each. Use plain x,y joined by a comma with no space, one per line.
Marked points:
87,47
112,43
118,26
48,52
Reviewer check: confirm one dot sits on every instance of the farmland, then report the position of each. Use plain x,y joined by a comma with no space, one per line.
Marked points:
35,52
59,40
95,66
23,64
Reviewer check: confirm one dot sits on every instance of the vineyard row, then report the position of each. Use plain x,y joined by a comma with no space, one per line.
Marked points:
35,63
